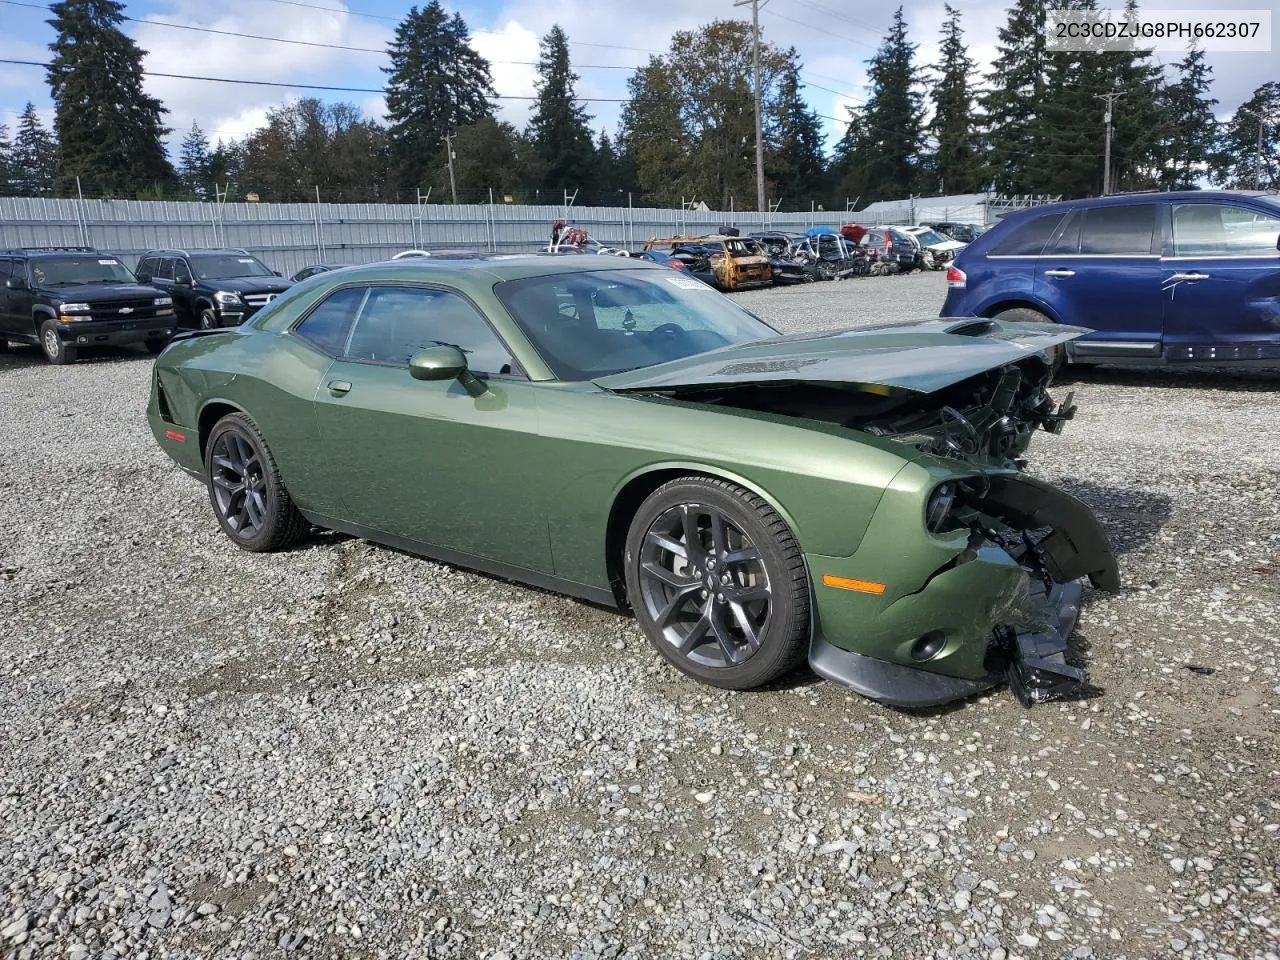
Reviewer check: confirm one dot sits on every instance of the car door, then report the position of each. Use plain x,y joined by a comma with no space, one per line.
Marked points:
20,302
6,317
1102,270
1220,280
430,461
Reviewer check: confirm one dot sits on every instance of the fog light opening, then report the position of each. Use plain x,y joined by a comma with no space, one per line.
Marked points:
82,339
928,646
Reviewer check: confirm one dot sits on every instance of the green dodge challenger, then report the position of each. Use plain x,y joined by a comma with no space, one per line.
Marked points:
615,431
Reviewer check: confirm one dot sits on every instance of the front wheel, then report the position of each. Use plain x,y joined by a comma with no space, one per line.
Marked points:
718,583
208,319
1054,356
56,350
248,495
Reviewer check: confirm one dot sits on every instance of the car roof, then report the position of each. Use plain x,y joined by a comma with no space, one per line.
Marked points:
172,252
1123,199
497,267
53,252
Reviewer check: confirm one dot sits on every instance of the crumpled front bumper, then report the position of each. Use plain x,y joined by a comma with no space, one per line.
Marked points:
1032,660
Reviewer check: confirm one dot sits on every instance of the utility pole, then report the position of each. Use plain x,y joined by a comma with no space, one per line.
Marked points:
755,70
448,151
1111,98
1257,170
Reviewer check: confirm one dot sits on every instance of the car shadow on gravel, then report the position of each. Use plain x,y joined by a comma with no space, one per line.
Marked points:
1131,516
1243,380
29,356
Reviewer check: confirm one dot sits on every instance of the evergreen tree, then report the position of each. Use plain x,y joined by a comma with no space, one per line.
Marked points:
893,117
849,167
6,161
110,132
193,161
1014,94
32,156
437,84
795,162
955,163
559,128
224,164
1242,160
1187,147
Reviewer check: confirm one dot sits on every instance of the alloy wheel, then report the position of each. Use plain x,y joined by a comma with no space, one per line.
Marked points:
704,585
51,345
239,484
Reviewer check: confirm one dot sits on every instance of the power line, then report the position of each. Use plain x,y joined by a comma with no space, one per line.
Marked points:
304,43
809,26
313,86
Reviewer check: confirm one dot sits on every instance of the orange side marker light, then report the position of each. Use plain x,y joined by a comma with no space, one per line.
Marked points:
848,583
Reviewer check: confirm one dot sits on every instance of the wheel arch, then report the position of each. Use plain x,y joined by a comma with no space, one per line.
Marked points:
39,314
637,487
210,414
1026,303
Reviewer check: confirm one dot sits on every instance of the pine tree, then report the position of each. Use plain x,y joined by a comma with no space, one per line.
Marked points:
32,156
1013,97
489,153
6,161
193,161
955,162
1242,161
653,133
795,162
850,164
225,163
437,84
893,116
110,132
560,128
1187,147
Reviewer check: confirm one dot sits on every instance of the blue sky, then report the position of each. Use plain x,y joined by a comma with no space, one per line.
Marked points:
834,38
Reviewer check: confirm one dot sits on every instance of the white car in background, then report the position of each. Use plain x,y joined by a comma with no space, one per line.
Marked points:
935,247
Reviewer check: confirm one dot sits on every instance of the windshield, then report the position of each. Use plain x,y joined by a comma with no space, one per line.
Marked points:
930,236
78,271
587,325
226,266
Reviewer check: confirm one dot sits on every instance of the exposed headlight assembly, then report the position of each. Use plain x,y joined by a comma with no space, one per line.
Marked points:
937,514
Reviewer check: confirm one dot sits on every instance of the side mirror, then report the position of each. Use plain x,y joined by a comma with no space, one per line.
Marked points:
183,281
277,273
445,363
16,283
143,277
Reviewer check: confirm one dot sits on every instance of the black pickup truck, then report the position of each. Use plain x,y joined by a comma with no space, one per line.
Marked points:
65,298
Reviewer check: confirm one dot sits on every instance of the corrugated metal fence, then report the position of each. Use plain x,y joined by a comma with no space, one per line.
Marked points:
288,236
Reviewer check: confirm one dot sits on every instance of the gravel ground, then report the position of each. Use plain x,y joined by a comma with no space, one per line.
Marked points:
345,751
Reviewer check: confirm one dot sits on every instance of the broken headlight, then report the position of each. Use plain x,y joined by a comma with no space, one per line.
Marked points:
937,514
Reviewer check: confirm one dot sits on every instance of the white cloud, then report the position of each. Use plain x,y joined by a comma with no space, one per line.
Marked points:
233,110
511,42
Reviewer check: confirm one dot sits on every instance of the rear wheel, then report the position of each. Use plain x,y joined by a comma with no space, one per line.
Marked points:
1055,356
718,583
56,350
245,488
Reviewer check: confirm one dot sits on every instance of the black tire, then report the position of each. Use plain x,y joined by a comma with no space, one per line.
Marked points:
734,611
208,319
56,350
155,346
246,490
1055,356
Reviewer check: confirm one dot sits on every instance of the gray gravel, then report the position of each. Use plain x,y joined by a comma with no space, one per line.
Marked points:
344,751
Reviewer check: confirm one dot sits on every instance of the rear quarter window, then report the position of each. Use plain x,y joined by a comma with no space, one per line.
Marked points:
1028,238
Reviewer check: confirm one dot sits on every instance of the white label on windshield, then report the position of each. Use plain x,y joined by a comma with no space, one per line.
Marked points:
686,283
109,263
246,259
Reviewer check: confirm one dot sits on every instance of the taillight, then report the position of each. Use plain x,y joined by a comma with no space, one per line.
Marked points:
676,265
956,277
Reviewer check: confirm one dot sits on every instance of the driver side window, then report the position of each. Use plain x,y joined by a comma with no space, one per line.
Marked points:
165,271
397,322
181,272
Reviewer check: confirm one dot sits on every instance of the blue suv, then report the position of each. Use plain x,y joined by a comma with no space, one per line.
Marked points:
1160,278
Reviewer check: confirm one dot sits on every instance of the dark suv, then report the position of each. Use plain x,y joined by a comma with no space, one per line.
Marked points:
64,298
212,288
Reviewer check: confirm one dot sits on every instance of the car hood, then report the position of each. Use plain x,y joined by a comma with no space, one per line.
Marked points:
945,245
100,292
921,357
251,284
